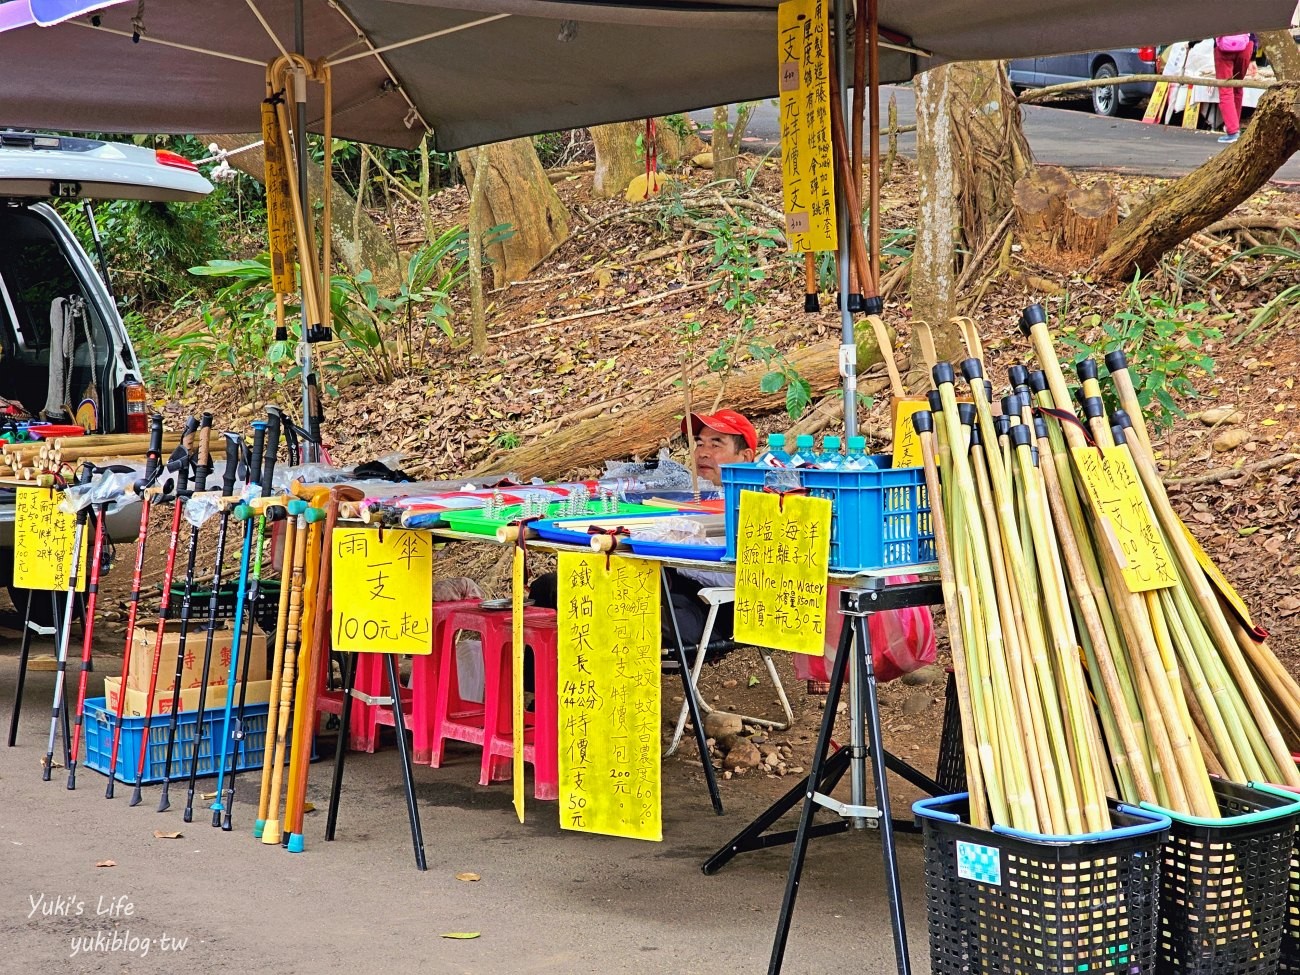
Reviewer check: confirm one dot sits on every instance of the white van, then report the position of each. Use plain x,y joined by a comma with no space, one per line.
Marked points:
64,352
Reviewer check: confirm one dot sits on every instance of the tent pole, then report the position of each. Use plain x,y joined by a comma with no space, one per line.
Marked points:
311,452
848,347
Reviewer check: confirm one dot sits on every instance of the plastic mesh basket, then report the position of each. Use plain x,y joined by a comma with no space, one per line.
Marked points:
1224,887
1006,902
951,770
879,518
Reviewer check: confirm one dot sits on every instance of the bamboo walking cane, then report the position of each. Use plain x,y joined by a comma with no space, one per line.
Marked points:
287,643
280,698
311,623
924,425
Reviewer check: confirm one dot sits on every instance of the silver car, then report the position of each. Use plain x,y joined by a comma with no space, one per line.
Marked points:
44,272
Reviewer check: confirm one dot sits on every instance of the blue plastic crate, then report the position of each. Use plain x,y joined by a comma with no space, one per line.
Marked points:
100,722
880,519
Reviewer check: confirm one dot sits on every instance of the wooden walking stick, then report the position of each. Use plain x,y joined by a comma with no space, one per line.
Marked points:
288,631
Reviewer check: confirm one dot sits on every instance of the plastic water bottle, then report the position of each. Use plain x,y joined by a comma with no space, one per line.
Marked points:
857,458
775,455
832,457
804,455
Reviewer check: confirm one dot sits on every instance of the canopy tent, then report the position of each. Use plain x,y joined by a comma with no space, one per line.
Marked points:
479,71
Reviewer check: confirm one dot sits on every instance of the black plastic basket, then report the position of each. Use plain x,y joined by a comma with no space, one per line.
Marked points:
951,770
1289,962
1224,884
1000,901
265,611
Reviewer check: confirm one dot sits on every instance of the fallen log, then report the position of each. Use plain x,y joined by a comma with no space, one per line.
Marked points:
641,430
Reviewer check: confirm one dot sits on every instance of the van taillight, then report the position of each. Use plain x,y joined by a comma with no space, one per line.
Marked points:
175,160
1147,54
137,413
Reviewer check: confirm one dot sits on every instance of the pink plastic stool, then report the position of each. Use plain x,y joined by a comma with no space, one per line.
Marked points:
370,677
542,725
425,681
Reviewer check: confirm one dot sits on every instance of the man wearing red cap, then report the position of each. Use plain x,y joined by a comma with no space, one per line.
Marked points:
724,437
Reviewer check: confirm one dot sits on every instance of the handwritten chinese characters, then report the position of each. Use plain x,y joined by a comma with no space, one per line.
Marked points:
806,169
907,444
382,588
1117,499
608,617
43,537
783,550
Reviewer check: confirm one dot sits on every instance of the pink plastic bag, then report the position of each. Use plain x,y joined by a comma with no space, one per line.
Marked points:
902,640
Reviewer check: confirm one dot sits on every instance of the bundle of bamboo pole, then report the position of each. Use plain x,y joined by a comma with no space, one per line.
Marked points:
1093,656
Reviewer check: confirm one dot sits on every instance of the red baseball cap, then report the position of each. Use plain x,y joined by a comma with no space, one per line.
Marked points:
724,421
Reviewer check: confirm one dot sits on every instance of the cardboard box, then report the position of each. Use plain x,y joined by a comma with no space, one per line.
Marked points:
192,671
259,692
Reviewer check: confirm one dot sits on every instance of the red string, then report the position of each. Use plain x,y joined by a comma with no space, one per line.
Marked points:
781,495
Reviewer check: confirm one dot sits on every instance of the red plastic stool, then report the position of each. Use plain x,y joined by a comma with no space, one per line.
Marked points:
542,725
455,718
369,677
425,682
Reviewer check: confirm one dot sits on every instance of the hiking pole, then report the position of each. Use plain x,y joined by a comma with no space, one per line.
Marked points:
88,624
180,462
151,467
234,449
202,468
270,513
87,471
24,651
241,600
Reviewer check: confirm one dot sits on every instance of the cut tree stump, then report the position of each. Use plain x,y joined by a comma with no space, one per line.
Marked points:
1039,200
640,431
1091,216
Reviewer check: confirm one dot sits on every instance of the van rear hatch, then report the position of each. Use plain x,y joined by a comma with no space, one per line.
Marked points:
39,166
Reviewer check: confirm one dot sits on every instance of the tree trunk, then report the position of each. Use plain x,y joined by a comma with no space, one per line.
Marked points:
590,442
518,193
478,318
971,150
370,248
1209,192
726,139
1283,54
1091,216
1039,200
618,161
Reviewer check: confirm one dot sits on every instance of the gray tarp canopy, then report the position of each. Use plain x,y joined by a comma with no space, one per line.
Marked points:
505,68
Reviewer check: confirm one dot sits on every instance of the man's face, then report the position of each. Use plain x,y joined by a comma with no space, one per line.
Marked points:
713,449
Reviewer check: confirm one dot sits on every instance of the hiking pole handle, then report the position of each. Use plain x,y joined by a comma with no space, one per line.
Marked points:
154,457
234,444
259,447
272,447
203,462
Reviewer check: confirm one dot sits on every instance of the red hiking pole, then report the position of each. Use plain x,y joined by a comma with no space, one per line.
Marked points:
99,512
202,468
65,634
180,463
152,464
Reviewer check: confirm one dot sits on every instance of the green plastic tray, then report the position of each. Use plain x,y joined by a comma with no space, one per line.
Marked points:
472,519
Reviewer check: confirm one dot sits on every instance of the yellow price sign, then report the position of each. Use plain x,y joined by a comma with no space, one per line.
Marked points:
382,589
43,539
1219,580
783,550
1117,499
609,652
807,170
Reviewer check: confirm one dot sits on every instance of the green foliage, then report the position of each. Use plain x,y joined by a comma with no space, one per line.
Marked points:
783,376
378,336
403,165
1165,346
1284,305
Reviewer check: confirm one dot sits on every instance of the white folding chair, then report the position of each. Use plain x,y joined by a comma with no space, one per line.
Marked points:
716,597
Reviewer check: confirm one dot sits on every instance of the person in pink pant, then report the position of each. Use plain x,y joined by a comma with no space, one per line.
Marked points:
1232,54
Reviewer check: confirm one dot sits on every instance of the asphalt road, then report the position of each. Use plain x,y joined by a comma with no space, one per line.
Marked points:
1064,136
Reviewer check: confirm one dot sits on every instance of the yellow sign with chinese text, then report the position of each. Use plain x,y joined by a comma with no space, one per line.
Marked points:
783,550
609,652
907,443
1219,580
808,175
382,588
1118,501
43,539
